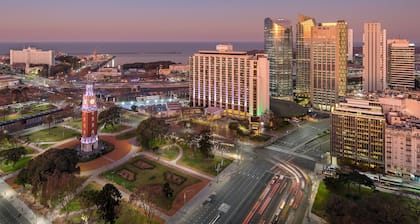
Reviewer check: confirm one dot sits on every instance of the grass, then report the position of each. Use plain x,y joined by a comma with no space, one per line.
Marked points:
169,153
75,124
113,128
54,134
146,177
320,203
44,146
19,164
197,161
74,204
126,135
128,214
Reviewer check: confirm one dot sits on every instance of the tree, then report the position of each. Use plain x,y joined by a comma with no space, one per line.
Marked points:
204,143
50,173
110,116
12,155
145,200
150,129
49,119
108,202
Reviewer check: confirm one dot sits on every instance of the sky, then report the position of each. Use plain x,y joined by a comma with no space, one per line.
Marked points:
191,20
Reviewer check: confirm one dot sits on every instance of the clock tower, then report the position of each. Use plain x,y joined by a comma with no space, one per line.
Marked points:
89,140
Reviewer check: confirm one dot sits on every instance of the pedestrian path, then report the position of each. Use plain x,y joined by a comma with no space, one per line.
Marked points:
11,195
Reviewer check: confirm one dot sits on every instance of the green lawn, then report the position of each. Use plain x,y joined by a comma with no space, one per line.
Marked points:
148,177
198,161
54,134
128,214
169,153
126,135
74,205
320,202
19,164
114,128
75,124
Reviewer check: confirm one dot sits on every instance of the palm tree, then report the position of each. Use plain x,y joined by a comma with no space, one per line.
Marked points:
49,119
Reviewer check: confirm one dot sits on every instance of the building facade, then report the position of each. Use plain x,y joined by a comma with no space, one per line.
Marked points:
402,145
374,57
303,55
328,64
89,139
30,56
350,45
231,80
400,64
357,133
278,44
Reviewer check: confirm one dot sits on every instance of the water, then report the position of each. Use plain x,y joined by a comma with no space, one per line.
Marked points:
129,52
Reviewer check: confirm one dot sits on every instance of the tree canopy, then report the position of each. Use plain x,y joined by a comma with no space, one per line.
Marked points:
12,155
108,202
150,129
110,116
50,172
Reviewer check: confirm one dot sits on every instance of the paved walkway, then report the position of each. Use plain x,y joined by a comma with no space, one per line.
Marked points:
180,154
12,196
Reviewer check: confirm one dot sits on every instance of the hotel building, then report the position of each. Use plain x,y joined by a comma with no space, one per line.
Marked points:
30,56
303,55
328,64
374,58
357,133
230,80
278,44
400,64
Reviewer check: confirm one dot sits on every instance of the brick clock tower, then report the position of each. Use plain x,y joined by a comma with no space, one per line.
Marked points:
89,140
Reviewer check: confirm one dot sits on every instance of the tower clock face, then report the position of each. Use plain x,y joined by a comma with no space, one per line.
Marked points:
92,101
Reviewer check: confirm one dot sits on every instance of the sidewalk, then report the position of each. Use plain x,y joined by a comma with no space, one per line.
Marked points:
10,194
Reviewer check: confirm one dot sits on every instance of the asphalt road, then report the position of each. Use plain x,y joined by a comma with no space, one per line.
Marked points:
9,214
236,191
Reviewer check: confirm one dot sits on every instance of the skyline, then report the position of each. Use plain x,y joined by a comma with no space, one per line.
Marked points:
188,20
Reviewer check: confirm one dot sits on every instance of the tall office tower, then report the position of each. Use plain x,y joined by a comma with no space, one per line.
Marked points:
89,140
278,44
357,133
230,80
328,64
303,55
374,57
400,64
350,45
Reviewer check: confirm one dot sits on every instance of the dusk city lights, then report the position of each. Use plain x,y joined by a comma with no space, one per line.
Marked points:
210,112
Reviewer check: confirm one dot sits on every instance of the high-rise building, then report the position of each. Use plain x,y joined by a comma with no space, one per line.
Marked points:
328,64
89,140
278,44
303,55
400,64
374,57
350,45
29,56
230,80
357,133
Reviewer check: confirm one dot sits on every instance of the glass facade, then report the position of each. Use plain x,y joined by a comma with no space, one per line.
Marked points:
278,44
303,55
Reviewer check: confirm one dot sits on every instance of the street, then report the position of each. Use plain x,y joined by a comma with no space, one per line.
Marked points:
9,214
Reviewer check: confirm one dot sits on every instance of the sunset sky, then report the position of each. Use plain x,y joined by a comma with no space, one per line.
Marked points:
190,20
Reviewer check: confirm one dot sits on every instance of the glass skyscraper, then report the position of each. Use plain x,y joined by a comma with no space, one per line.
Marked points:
303,55
278,44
